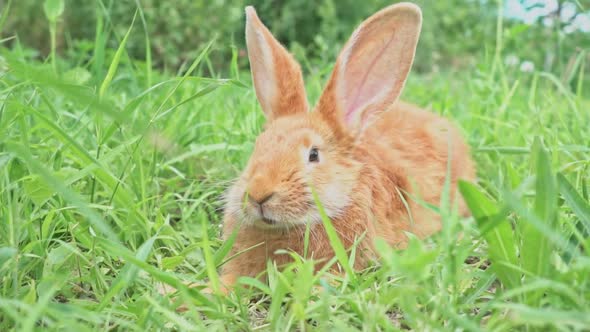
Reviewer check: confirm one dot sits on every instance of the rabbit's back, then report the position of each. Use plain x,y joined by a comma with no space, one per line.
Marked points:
416,145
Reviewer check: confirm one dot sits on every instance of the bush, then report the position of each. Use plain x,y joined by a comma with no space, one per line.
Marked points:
176,30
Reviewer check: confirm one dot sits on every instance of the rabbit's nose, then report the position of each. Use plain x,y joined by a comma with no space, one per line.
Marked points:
259,201
260,190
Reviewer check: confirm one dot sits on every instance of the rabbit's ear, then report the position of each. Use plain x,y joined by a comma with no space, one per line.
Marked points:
276,75
371,69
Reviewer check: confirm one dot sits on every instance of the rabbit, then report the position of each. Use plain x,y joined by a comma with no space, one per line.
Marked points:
376,163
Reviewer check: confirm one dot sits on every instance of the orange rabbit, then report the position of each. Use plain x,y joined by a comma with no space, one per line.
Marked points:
372,160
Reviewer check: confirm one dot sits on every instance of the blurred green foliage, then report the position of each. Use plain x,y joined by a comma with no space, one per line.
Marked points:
455,32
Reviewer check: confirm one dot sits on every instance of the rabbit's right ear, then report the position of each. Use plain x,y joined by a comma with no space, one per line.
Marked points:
372,67
276,75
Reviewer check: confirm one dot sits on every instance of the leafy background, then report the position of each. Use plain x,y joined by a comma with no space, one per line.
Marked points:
456,33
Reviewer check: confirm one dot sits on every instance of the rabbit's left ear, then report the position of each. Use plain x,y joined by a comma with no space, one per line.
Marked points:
372,68
276,75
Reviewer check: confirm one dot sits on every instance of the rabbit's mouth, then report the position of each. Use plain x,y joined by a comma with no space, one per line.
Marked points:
268,221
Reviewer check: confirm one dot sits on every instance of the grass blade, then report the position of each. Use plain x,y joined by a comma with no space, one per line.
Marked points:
115,62
577,203
72,197
497,232
536,248
128,273
209,258
335,242
4,15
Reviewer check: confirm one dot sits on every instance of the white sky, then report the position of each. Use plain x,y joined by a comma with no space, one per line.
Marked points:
514,9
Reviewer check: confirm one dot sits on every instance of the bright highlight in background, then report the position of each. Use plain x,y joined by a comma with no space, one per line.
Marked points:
530,11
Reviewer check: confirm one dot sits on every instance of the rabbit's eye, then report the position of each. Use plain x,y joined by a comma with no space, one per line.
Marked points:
314,155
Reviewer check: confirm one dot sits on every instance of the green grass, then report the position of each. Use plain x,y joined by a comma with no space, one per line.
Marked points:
111,173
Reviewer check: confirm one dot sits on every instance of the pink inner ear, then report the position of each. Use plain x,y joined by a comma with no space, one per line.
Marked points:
374,64
368,85
371,69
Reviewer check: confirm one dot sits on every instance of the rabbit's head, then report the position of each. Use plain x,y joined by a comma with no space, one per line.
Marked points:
302,151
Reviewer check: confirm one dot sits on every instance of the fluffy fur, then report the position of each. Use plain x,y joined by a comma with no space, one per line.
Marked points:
379,159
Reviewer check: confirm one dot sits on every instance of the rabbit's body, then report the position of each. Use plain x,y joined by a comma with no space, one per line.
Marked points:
375,163
393,185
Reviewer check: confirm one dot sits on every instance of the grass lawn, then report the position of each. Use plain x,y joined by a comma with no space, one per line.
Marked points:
110,184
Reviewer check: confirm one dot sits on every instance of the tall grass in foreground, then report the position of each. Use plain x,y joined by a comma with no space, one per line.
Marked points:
110,176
